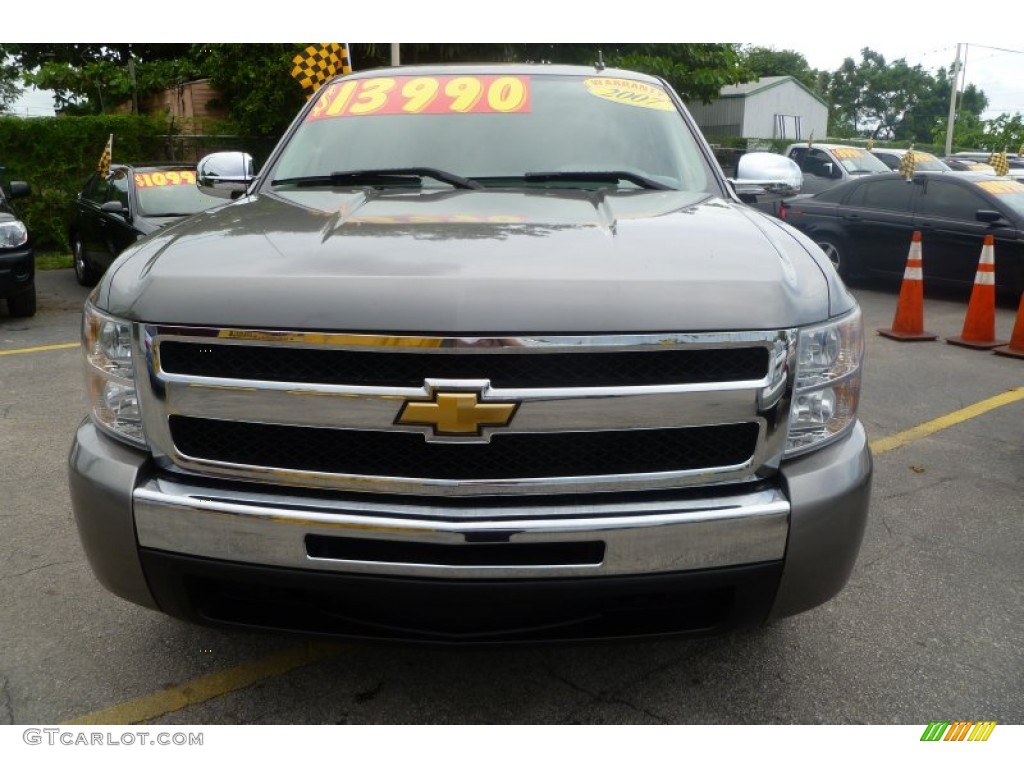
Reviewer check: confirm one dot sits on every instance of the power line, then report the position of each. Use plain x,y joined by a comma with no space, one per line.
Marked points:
993,48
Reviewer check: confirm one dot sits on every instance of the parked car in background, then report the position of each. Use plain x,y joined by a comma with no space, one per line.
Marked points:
1013,160
865,226
114,210
826,165
923,161
964,164
17,262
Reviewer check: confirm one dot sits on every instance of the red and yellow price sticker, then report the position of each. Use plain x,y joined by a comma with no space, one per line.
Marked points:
463,94
631,92
1001,187
842,152
164,179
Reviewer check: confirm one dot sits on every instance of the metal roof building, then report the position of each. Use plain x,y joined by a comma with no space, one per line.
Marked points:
779,107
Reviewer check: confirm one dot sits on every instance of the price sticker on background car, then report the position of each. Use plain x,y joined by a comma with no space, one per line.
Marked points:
842,152
164,179
1002,187
463,94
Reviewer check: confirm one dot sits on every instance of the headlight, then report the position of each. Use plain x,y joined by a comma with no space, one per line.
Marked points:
12,234
110,375
826,390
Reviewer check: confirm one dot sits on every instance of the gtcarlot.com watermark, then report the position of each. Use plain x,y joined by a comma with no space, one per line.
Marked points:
77,738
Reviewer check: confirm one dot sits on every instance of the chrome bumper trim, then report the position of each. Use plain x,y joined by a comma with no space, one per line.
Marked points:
659,537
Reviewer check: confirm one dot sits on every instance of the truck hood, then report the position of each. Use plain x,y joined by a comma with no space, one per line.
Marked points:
474,263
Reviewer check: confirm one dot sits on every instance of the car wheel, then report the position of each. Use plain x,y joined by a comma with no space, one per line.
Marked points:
84,272
838,254
23,304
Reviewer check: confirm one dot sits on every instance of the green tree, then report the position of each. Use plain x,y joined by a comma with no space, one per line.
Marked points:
893,99
261,97
768,62
97,78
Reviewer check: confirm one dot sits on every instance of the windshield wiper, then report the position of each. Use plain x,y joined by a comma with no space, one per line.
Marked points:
616,176
380,178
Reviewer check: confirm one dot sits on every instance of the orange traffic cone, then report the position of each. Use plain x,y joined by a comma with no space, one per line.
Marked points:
908,325
980,324
1016,346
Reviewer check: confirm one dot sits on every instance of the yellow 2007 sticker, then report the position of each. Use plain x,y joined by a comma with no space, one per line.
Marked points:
631,92
164,179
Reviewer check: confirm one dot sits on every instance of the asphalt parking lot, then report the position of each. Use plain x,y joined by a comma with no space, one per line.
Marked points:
928,628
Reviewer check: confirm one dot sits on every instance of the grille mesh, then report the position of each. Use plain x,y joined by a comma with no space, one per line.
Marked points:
403,369
400,454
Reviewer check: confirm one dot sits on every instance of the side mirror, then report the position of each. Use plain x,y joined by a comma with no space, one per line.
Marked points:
114,206
766,175
20,189
225,174
824,170
991,217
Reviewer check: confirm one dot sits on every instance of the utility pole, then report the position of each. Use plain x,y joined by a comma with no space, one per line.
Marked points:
954,86
396,57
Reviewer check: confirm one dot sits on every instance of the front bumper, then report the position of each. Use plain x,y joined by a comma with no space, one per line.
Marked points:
206,551
17,272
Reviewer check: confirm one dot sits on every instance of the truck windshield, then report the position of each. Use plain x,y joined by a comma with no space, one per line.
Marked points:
496,130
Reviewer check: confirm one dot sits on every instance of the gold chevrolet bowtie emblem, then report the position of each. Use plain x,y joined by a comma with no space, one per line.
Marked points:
456,413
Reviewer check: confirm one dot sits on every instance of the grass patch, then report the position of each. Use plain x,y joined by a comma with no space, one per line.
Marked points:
47,261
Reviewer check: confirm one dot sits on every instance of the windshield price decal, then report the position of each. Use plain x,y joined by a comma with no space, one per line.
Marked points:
1002,187
842,152
423,96
631,92
164,179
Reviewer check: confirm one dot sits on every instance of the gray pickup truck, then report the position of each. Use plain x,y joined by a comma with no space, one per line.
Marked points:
483,354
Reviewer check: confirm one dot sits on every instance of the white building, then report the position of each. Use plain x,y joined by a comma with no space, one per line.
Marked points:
778,107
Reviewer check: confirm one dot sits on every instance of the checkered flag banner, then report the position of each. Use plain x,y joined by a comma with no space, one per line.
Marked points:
998,161
103,166
319,63
907,164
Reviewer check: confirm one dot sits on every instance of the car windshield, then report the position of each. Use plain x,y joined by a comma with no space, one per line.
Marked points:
925,162
494,131
857,160
170,192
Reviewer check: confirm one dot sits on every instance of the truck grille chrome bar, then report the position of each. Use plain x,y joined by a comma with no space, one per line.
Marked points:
577,414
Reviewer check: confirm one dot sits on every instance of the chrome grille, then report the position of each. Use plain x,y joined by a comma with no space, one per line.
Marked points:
403,369
603,413
404,454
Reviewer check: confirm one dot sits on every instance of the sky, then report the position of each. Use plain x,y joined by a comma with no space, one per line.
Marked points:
824,34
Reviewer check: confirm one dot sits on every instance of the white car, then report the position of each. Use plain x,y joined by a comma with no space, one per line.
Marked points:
825,165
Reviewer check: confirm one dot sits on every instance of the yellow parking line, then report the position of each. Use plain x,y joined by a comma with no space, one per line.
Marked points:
208,686
885,444
216,684
27,350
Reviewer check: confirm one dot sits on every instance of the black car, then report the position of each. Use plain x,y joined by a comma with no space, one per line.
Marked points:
17,262
126,204
865,226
